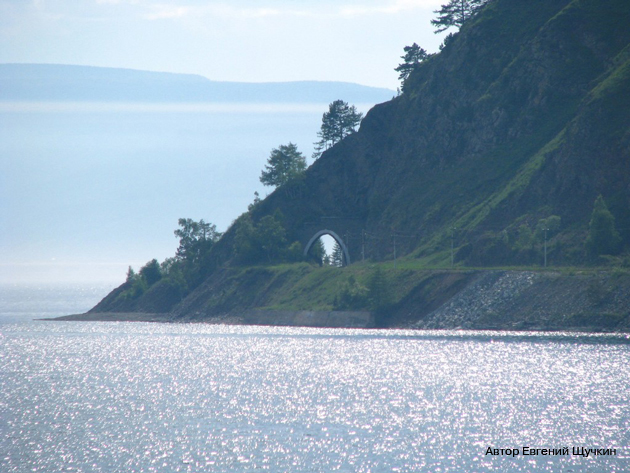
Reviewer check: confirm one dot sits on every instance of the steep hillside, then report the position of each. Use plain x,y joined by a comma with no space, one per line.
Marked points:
498,149
522,116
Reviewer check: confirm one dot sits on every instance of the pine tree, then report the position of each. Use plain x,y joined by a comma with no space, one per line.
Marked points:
414,55
337,255
456,13
338,122
318,252
603,238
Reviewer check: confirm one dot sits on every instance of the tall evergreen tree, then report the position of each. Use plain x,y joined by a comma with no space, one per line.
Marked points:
317,253
284,164
456,13
337,255
338,122
603,238
414,55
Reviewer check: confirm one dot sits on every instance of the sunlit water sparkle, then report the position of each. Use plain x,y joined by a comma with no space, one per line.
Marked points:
119,397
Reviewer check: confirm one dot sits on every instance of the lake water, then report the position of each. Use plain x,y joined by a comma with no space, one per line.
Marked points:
123,397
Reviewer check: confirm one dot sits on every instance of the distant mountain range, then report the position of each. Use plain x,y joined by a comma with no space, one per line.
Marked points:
52,82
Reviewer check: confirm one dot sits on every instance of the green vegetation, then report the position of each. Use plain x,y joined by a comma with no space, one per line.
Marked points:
300,286
138,283
284,164
413,57
195,239
263,242
337,258
151,272
352,296
455,13
338,122
190,265
379,291
183,272
603,237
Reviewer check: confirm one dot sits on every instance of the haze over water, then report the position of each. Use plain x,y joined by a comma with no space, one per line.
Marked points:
91,188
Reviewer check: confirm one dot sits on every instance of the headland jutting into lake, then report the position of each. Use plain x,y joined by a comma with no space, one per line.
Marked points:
507,149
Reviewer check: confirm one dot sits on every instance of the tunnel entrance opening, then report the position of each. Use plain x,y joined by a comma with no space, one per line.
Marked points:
327,248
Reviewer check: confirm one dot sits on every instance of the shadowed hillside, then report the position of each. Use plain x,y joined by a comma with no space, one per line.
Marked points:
495,153
524,115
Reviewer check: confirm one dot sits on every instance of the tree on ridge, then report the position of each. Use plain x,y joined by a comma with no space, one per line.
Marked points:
339,121
195,239
284,164
456,13
414,55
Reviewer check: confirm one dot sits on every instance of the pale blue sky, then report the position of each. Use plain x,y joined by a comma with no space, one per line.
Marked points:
242,40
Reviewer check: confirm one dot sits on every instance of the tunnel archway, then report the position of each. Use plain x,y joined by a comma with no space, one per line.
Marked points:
337,238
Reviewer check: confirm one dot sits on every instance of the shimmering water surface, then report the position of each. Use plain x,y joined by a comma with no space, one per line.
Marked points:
122,397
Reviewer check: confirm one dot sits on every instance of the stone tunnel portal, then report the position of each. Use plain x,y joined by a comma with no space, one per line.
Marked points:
337,238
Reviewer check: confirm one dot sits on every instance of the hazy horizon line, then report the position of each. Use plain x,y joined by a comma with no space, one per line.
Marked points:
197,75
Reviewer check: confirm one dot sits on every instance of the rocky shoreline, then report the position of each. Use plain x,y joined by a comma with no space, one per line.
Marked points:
528,300
300,318
477,300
